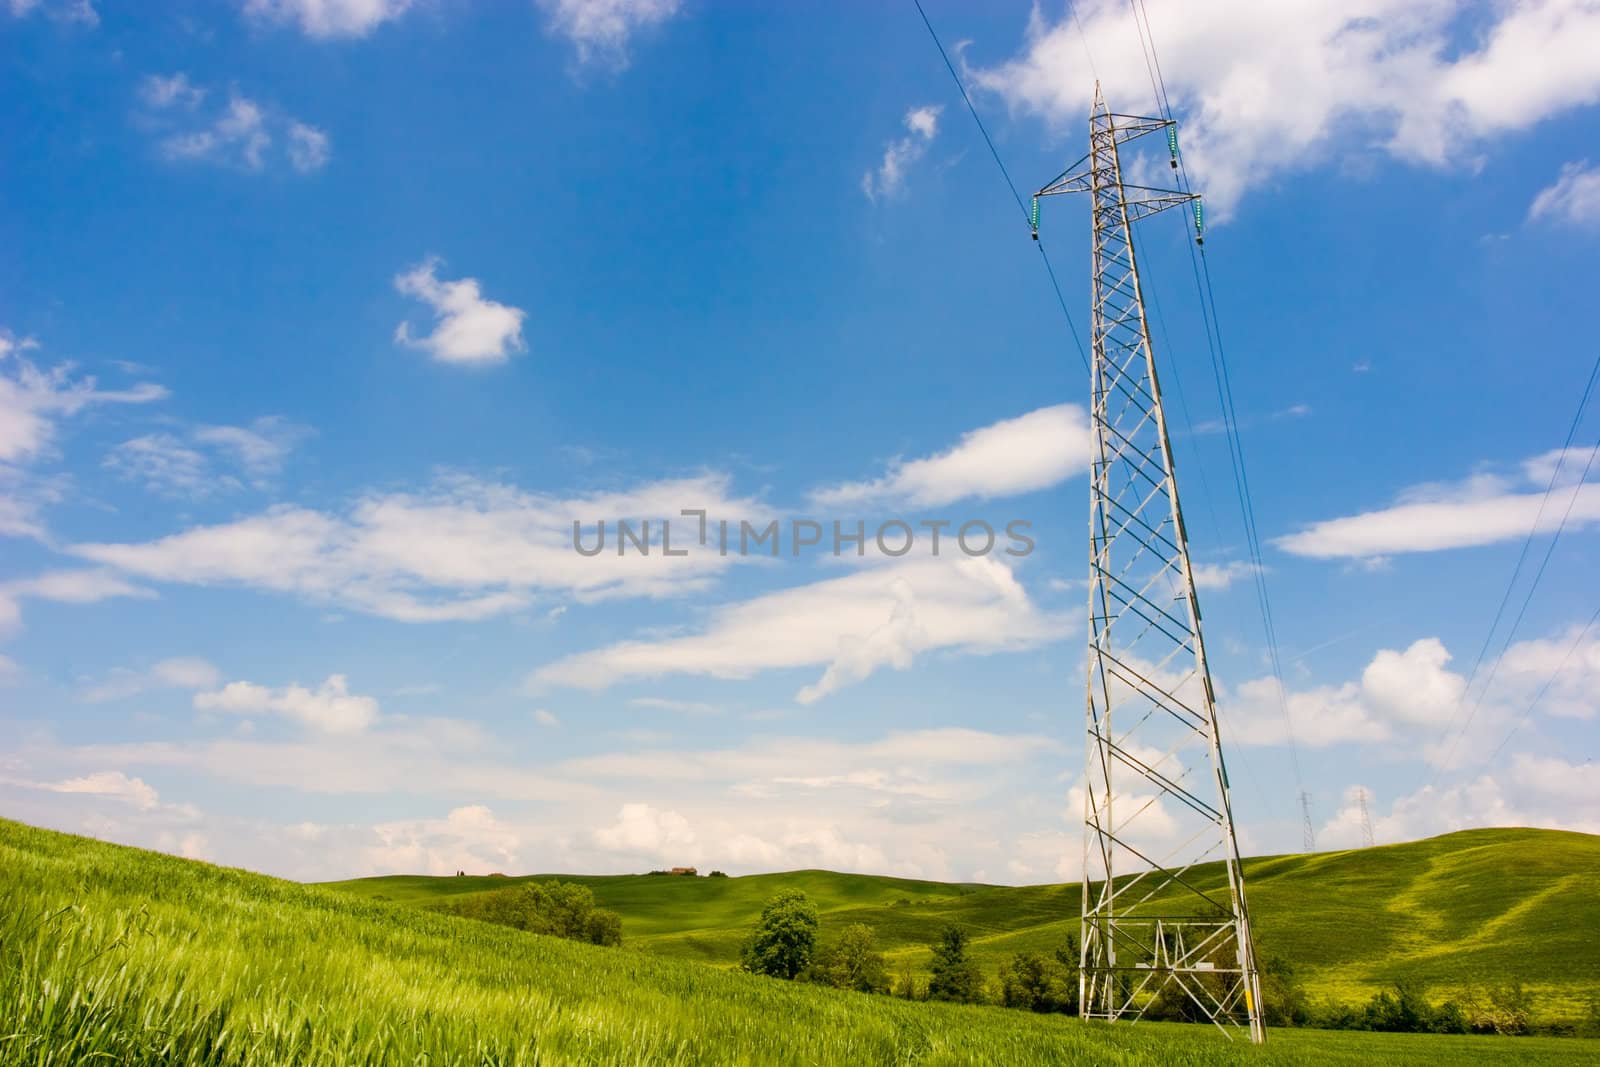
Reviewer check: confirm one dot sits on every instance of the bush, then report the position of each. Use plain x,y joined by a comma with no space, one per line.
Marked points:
1283,997
716,874
1502,1009
557,909
785,937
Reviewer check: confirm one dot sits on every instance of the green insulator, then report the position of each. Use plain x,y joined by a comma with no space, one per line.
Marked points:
1172,140
1035,215
1199,217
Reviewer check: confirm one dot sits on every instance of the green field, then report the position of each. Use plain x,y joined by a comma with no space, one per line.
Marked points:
1473,907
115,955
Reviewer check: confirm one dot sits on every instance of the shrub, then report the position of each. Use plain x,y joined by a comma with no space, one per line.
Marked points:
557,909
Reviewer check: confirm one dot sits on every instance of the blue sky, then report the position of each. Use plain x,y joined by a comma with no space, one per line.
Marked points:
323,321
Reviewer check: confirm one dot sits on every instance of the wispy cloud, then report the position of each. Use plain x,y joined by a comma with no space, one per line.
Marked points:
602,30
328,18
1574,198
888,178
241,133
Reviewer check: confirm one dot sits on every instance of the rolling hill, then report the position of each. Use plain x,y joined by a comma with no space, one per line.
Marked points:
1474,907
115,955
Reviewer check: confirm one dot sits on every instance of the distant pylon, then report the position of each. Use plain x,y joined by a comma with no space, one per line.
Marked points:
1366,819
1152,926
1308,830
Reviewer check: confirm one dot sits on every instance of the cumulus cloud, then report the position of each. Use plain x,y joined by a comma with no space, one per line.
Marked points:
600,30
1481,510
1574,198
328,18
1033,451
851,626
330,708
1542,791
240,133
900,154
468,328
1268,88
470,838
464,549
1411,696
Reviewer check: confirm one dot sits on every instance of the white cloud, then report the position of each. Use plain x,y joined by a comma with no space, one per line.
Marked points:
79,11
1542,791
1221,575
900,154
173,91
1412,696
600,29
32,401
113,784
239,134
330,707
1266,87
1033,451
176,673
682,707
329,18
468,328
463,550
62,587
210,459
546,717
469,838
1482,510
309,148
1574,198
642,830
851,626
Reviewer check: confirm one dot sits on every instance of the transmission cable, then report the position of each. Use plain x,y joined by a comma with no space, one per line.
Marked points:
1006,174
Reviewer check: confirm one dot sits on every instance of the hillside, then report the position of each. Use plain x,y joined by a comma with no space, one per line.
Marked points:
1476,906
117,955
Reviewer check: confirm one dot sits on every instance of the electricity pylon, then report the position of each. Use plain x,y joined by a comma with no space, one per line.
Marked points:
1308,829
1154,927
1366,818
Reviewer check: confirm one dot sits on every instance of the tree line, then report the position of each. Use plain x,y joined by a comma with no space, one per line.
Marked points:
786,943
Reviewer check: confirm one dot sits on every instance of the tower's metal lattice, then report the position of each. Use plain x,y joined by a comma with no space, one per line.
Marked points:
1160,933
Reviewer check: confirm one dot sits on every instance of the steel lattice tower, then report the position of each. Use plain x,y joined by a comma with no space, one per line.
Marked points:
1156,789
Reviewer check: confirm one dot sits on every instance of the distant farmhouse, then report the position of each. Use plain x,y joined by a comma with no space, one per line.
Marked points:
690,871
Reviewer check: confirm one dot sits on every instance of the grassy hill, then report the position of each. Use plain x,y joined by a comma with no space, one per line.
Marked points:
1479,906
116,955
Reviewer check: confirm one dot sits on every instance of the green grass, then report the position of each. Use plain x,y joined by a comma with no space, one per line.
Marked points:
1474,907
118,956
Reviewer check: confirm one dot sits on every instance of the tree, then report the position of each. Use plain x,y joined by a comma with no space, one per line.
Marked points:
1029,981
785,937
955,977
852,962
1283,997
557,909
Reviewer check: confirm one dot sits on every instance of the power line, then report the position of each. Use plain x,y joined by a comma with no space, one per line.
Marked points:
1522,557
1201,268
1538,697
1523,610
1015,193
